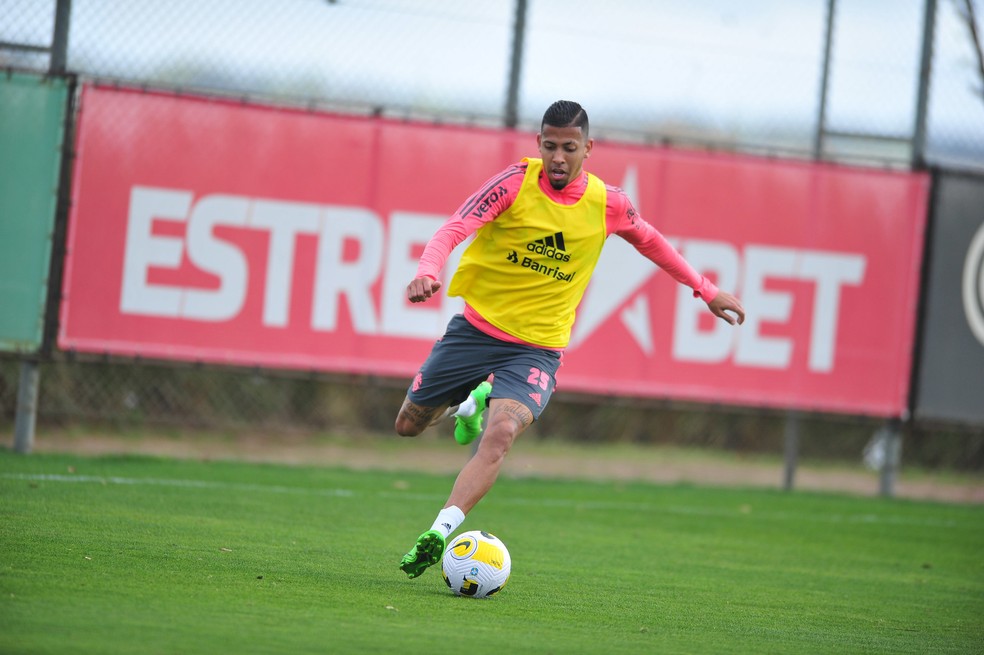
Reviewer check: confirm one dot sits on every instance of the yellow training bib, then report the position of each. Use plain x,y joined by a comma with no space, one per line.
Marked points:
527,270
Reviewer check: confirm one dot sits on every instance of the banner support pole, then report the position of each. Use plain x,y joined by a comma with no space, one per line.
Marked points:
791,450
27,406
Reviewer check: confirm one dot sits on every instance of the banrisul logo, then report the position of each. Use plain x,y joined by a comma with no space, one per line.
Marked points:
551,246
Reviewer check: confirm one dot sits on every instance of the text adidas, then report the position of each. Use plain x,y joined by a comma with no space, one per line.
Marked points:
548,251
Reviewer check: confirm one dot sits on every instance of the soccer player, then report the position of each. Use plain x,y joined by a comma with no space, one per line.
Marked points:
539,227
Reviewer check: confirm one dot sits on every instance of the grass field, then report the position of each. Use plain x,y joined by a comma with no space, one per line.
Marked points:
151,555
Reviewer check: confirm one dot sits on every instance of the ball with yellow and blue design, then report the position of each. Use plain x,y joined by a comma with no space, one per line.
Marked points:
476,564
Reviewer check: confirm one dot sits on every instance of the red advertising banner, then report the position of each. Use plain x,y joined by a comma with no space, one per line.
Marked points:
208,230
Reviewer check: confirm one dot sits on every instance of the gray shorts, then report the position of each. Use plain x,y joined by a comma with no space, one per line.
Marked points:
465,356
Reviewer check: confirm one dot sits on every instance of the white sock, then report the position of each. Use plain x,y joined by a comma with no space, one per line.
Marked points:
466,408
448,520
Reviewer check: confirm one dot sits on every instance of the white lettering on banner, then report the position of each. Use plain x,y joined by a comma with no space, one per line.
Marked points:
400,319
689,343
144,250
335,277
828,271
285,221
350,274
217,257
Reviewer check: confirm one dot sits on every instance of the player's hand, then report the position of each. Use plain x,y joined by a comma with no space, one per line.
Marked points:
723,303
422,288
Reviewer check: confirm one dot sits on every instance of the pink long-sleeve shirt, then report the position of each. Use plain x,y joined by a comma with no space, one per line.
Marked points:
497,194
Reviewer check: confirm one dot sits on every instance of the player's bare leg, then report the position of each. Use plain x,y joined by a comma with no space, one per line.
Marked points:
411,421
507,420
414,419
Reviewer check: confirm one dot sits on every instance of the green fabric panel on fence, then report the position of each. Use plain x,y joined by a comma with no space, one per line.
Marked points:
32,116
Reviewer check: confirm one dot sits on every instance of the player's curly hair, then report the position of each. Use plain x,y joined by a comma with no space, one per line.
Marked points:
566,113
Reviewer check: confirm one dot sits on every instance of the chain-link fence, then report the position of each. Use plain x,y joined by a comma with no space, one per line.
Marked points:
128,396
956,107
756,75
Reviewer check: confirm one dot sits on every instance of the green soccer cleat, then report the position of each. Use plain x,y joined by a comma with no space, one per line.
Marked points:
426,552
467,429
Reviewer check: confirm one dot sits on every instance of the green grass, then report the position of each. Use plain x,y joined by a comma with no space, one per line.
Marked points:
144,555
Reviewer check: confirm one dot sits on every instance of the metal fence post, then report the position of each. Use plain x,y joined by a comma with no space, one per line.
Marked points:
792,429
27,406
922,96
824,81
59,40
791,450
892,458
516,65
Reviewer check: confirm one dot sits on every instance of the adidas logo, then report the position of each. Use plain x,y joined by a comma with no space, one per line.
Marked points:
556,241
552,246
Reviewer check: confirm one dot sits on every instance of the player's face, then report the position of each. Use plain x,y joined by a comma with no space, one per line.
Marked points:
563,150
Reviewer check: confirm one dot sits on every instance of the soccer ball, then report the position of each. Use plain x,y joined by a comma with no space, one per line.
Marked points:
476,564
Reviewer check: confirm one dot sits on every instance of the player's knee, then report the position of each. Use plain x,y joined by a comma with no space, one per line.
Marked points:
497,441
407,428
